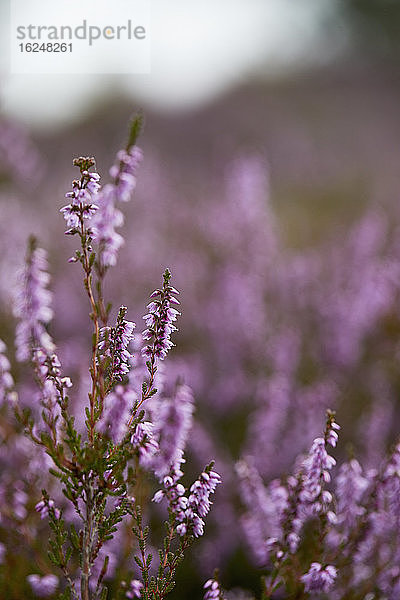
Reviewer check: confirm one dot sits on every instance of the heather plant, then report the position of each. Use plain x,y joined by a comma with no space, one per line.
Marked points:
273,336
130,436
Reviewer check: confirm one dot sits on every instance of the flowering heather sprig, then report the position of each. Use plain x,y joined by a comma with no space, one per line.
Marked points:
33,305
116,411
43,586
84,190
316,469
319,578
98,468
159,320
189,510
114,343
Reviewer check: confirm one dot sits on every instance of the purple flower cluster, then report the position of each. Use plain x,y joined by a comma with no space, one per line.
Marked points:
189,510
52,386
33,305
319,578
199,499
277,513
84,191
316,472
160,319
109,217
116,411
114,343
48,368
213,590
43,586
44,506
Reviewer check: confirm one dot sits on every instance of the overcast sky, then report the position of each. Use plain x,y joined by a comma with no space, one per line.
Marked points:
199,48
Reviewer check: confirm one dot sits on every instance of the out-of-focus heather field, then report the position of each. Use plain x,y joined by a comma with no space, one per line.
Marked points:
276,207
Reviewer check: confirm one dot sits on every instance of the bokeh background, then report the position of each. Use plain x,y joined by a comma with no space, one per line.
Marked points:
270,187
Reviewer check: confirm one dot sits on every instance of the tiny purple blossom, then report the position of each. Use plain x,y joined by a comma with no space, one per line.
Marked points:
44,506
135,589
319,578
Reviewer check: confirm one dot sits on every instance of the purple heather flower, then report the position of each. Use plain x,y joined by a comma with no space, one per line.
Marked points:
317,466
159,320
43,507
43,586
82,195
116,411
135,589
2,553
188,511
316,469
319,578
213,590
33,305
198,502
52,385
114,344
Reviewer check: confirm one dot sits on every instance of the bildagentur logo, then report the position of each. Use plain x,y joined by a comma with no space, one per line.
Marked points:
84,31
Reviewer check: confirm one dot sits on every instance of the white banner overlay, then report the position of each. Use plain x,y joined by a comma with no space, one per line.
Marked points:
79,36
